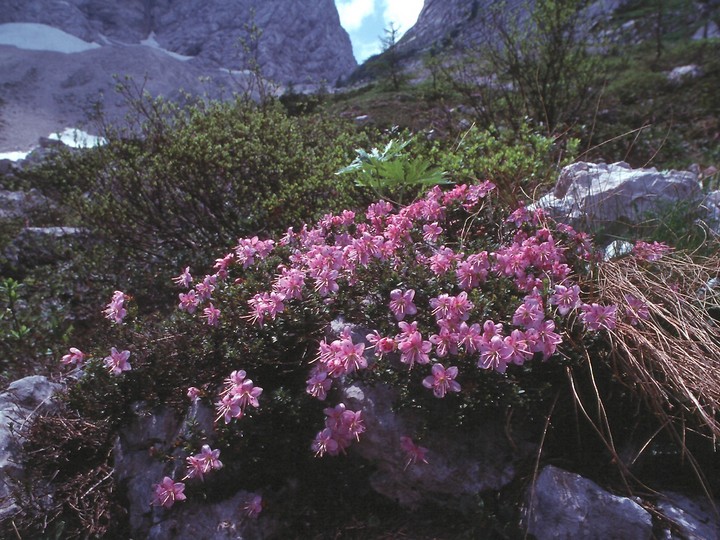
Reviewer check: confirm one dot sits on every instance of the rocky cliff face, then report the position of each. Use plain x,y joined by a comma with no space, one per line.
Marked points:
193,45
301,41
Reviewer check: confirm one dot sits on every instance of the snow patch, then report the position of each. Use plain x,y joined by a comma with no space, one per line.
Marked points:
72,137
41,37
77,138
14,156
152,42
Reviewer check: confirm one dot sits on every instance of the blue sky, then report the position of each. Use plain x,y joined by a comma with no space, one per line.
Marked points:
365,21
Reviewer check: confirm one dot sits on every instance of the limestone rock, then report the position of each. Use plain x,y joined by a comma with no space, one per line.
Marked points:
165,46
155,432
459,465
22,399
592,196
37,246
22,204
563,505
683,73
695,519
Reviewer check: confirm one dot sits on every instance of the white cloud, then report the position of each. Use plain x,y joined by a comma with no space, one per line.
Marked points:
365,49
403,13
354,12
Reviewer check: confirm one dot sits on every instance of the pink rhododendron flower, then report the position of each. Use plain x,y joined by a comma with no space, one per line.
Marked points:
188,301
529,314
318,385
324,443
401,303
212,315
117,362
254,506
566,298
341,427
205,289
636,310
650,252
167,492
204,462
432,232
495,354
74,358
545,340
411,345
597,317
519,347
184,279
413,452
442,380
115,310
383,345
238,394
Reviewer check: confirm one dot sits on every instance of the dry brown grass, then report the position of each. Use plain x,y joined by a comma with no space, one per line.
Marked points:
671,359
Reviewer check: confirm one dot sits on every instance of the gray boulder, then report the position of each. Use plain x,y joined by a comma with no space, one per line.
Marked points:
459,465
18,404
563,505
23,204
37,246
709,30
692,519
155,433
595,196
683,73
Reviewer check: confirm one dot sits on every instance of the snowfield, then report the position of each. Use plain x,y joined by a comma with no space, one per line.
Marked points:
41,37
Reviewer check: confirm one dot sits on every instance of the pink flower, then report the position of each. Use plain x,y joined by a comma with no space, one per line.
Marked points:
401,303
411,345
188,301
650,252
597,317
204,462
167,492
115,310
519,347
636,310
75,358
212,315
318,385
566,298
431,232
238,394
324,443
254,506
442,380
495,354
413,452
529,314
184,279
383,345
117,362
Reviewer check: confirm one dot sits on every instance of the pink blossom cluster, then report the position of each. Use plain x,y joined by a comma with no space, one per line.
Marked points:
650,251
342,426
204,462
413,452
117,361
115,310
335,359
75,357
534,263
239,392
167,492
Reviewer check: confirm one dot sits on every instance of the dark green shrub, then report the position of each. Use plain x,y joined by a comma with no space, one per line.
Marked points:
178,182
